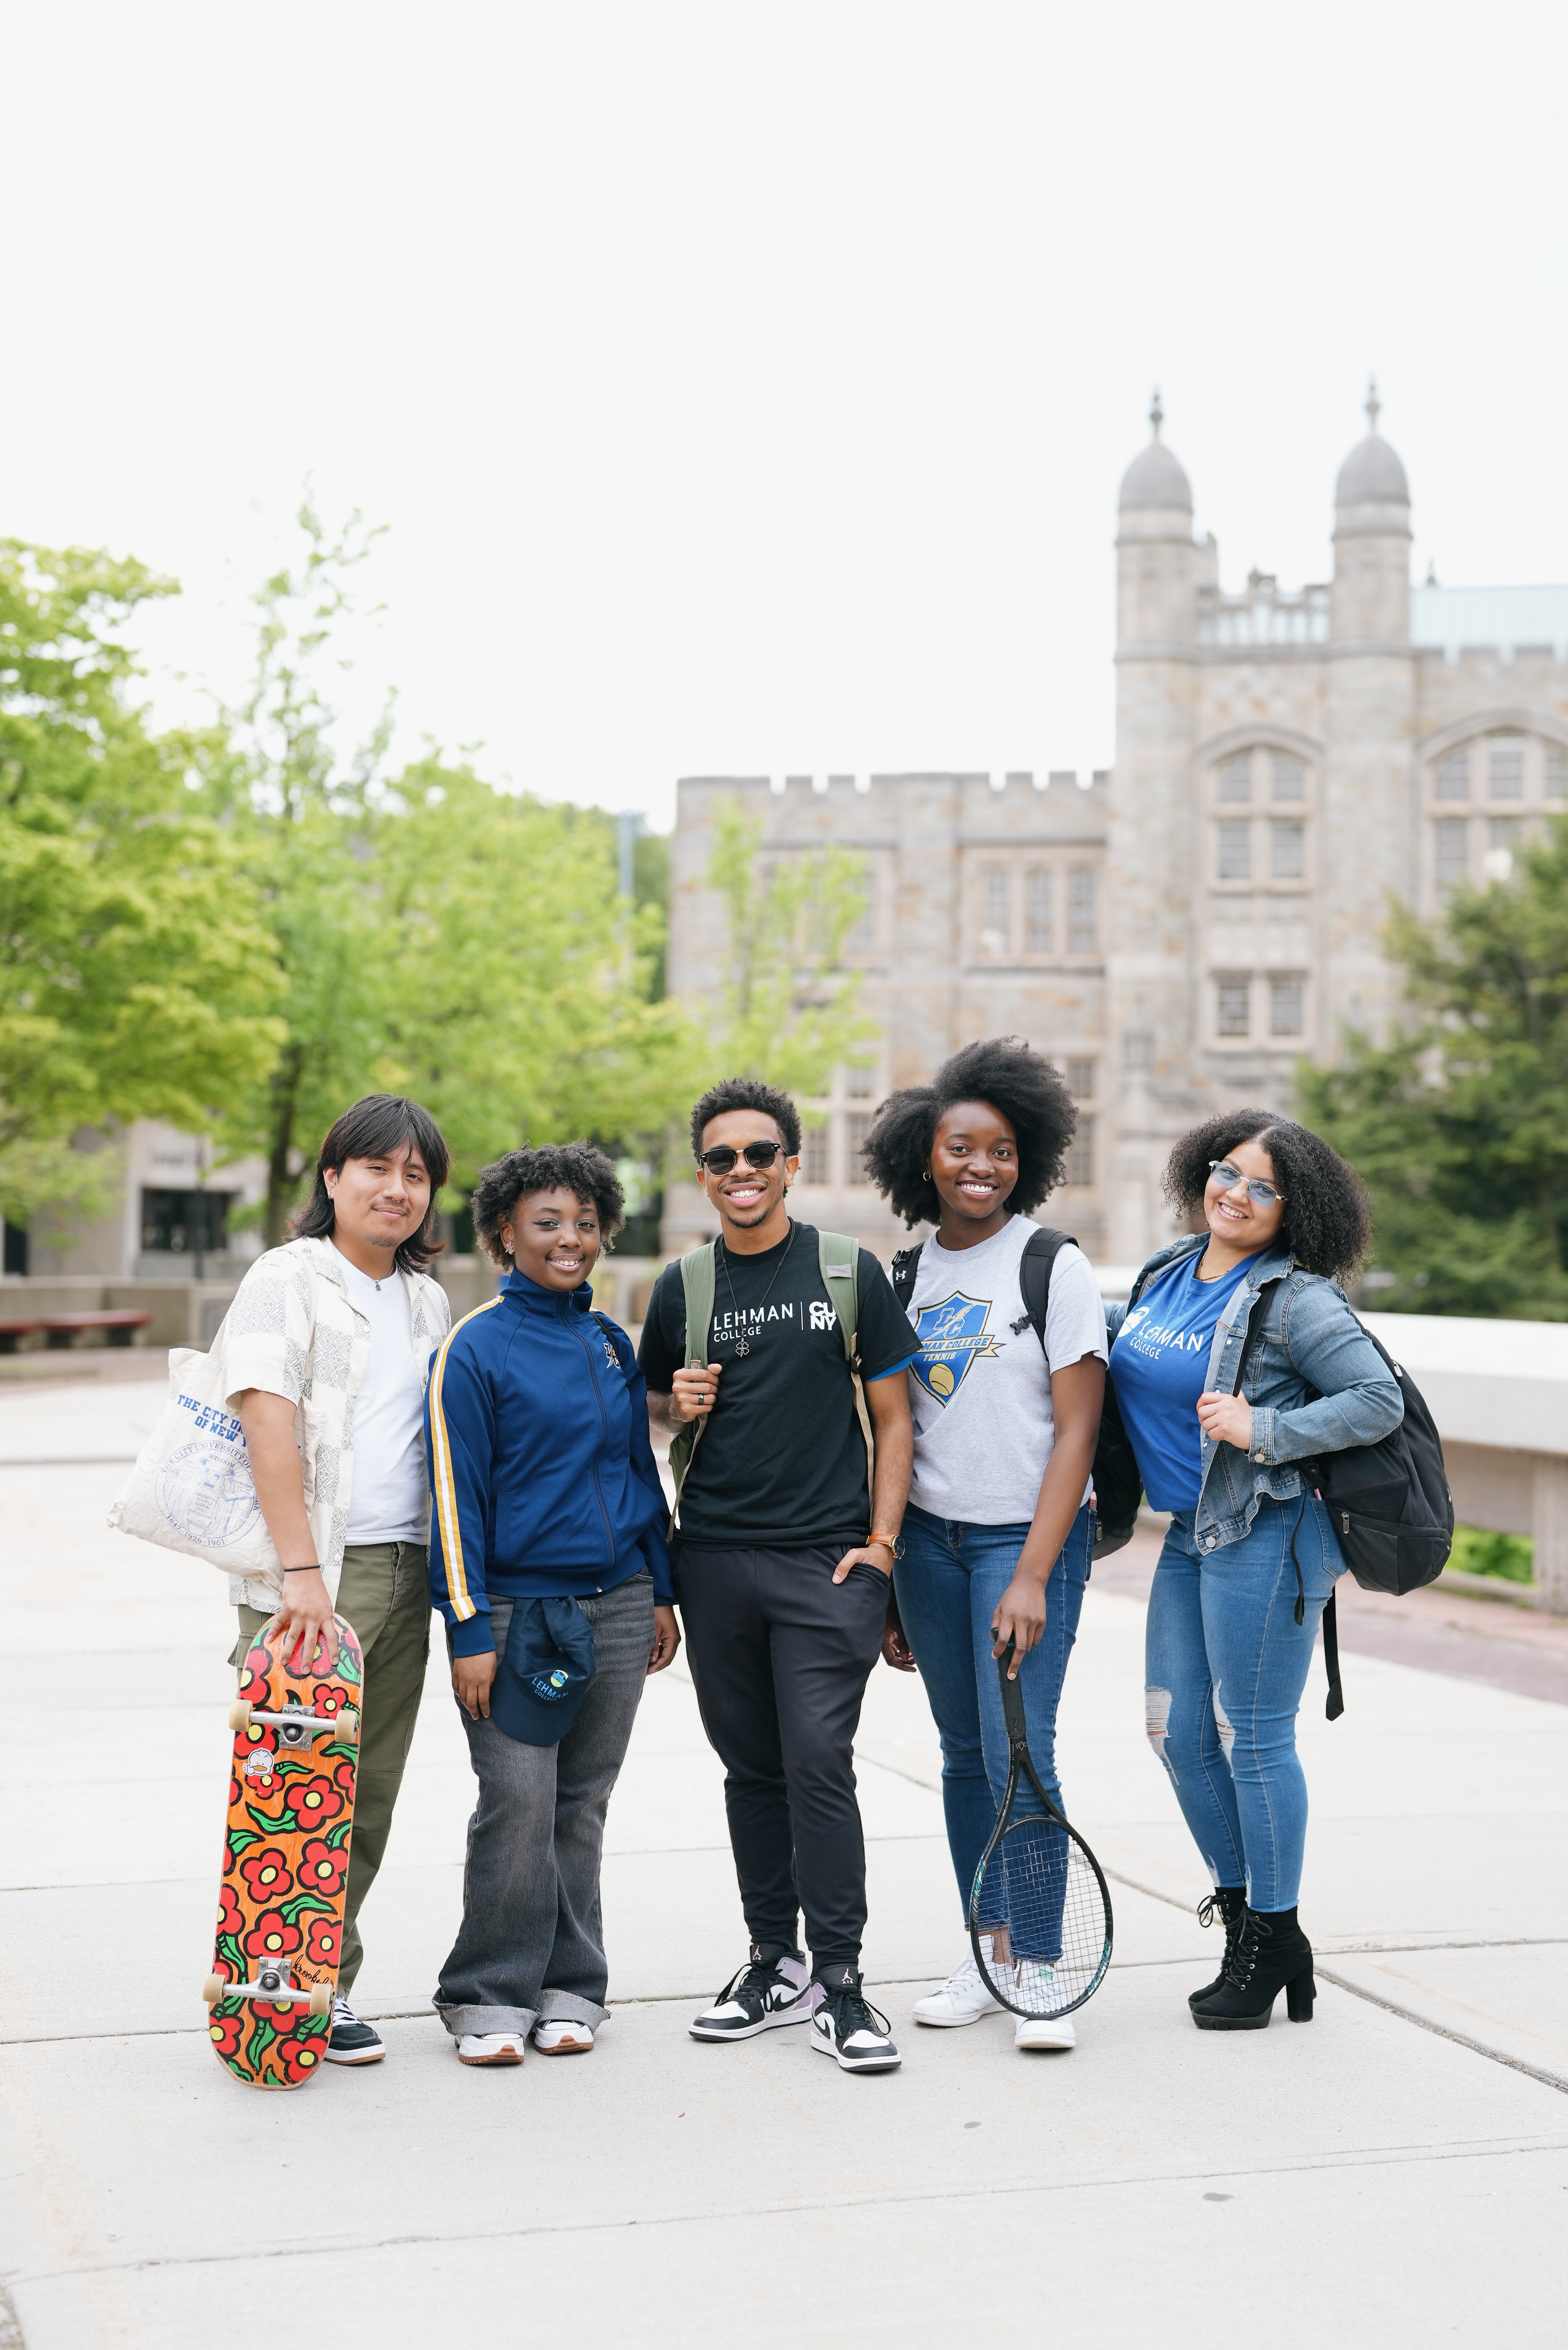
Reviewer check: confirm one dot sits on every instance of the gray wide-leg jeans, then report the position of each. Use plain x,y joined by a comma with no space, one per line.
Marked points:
531,1945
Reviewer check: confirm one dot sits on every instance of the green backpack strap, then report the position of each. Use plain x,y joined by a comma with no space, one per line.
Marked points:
838,1258
698,1274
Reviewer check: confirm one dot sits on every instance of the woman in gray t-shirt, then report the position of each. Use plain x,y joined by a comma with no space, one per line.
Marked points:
1006,1419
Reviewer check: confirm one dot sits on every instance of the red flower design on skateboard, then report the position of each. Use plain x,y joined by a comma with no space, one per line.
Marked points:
321,1869
266,1873
321,1943
297,2057
316,1802
228,2031
272,1937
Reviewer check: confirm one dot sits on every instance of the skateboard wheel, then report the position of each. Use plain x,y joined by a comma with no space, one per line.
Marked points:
213,1990
349,1723
321,1999
239,1715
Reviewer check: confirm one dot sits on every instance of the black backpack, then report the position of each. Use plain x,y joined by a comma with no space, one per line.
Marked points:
1118,1488
1390,1503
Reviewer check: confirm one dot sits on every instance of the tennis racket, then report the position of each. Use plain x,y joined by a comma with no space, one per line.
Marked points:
1039,1915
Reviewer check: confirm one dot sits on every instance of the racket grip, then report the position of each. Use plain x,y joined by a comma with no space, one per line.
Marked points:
1011,1695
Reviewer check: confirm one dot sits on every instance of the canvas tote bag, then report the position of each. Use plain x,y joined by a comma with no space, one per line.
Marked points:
191,1487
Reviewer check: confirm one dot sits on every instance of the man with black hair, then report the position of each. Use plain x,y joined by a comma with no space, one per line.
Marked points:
327,1347
785,1553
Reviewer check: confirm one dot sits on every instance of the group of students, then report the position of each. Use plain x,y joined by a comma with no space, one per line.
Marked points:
503,1472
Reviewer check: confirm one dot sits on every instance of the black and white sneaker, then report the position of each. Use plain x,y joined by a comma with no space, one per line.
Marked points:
766,1992
848,2027
352,2043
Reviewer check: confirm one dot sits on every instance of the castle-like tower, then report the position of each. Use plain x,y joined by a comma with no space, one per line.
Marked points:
1176,934
1286,765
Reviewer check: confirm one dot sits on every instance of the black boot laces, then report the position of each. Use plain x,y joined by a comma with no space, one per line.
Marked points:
1243,1959
852,2012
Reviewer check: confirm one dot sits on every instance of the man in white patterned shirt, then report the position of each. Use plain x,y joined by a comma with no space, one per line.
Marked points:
326,1351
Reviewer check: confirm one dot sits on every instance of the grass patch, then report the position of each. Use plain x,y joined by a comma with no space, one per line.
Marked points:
1476,1552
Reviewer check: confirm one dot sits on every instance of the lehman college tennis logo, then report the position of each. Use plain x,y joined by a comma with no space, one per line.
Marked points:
952,1335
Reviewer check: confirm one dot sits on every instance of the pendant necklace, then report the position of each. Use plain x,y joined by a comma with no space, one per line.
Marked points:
742,1343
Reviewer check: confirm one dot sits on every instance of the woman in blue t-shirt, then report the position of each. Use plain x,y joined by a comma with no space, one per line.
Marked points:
1228,1447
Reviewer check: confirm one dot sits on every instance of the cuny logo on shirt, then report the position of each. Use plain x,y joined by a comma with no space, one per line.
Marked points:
952,1337
1152,1338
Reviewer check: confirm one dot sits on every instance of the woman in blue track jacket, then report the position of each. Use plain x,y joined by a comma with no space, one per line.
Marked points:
548,1562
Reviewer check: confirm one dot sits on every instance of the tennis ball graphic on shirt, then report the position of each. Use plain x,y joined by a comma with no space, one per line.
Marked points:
941,1379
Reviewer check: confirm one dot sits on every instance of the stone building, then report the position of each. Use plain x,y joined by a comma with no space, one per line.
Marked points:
1176,933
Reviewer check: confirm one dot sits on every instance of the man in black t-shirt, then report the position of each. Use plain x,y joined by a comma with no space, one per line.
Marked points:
782,1563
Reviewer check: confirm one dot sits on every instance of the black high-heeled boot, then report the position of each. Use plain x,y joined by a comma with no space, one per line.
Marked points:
1228,1903
1272,1955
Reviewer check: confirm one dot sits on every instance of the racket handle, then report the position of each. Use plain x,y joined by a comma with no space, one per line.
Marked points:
1011,1696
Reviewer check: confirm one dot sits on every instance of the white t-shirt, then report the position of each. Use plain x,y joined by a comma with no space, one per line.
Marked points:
980,1386
390,1497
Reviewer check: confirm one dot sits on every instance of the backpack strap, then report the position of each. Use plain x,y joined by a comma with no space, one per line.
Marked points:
839,1260
902,1273
1040,1251
698,1276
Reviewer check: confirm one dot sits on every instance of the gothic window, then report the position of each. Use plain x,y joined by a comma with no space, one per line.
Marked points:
856,1126
1040,910
1504,840
1081,1079
1233,1004
859,1080
1235,863
995,910
816,1155
1452,838
1556,773
1454,776
862,939
1505,768
1290,778
1080,1153
1287,1003
1287,859
1236,778
1081,930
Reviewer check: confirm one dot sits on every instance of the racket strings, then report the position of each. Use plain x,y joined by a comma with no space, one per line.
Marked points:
1040,1911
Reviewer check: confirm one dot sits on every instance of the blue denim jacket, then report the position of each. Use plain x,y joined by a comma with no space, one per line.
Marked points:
1315,1382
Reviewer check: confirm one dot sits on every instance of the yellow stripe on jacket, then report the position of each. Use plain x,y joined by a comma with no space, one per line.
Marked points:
445,1496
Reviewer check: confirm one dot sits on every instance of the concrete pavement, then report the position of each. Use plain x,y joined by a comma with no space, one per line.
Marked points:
1396,2174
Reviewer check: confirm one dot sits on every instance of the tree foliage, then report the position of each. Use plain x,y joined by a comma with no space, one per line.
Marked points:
788,1008
135,979
1460,1125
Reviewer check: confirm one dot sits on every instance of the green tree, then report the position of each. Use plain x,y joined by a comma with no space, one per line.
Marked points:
136,979
1460,1124
788,1009
435,936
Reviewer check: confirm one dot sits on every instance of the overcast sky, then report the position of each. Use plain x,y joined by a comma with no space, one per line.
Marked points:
747,389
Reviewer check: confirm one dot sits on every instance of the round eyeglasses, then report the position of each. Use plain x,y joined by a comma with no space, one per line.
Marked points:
1222,1172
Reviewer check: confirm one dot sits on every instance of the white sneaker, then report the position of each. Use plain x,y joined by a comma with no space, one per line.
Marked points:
1041,2031
962,1999
490,2048
563,2035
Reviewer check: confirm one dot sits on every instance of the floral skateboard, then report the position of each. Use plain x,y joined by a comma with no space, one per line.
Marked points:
285,1861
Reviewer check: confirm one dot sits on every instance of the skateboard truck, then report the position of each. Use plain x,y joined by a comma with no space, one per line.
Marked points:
273,1983
295,1725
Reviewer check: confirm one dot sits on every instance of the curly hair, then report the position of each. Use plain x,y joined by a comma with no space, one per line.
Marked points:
747,1093
1328,1220
579,1167
1023,1084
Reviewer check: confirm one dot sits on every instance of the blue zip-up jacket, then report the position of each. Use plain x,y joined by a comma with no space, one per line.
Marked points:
1315,1380
542,1473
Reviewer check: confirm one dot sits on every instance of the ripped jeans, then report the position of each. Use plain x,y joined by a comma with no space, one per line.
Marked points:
1225,1663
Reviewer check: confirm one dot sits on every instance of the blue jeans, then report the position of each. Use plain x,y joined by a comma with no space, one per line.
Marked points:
948,1583
1225,1665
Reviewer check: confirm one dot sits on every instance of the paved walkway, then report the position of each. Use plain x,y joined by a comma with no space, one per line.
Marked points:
1395,2174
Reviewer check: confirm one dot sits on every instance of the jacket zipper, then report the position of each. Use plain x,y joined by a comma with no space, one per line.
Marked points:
604,1430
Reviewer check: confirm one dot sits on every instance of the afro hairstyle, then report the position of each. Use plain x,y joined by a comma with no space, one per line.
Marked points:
579,1167
747,1093
1327,1221
1028,1091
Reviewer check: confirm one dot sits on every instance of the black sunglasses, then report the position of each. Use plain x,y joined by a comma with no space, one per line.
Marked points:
755,1154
